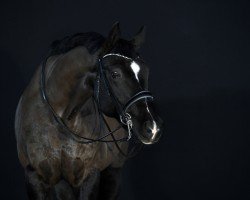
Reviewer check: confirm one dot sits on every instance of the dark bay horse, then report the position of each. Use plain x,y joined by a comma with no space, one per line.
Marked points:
75,119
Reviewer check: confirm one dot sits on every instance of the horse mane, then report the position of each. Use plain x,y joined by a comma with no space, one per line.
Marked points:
91,40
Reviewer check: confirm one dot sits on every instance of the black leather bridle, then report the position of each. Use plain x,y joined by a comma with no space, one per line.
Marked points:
125,118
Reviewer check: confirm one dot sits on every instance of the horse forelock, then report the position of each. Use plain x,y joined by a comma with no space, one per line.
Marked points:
124,47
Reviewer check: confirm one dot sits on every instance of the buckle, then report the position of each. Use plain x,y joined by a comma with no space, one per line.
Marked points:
126,120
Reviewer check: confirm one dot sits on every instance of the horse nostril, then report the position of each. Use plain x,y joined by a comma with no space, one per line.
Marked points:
148,128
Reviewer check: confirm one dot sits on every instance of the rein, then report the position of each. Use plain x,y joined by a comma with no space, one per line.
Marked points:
125,118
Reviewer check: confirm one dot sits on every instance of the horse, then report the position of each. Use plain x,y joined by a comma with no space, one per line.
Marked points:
76,119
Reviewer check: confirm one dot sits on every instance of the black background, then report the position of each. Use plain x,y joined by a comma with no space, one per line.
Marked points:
198,52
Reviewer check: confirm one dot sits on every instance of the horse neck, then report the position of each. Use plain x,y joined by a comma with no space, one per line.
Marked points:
66,77
68,93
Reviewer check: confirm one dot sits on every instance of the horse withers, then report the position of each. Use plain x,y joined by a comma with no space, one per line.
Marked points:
76,118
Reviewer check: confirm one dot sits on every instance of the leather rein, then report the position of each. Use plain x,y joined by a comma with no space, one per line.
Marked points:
125,117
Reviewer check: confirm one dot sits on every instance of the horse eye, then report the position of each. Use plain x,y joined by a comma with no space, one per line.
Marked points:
115,75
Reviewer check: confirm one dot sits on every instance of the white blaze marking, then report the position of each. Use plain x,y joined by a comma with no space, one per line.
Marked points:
136,68
155,128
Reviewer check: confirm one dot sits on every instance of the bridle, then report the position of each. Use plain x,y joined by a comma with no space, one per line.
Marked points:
122,110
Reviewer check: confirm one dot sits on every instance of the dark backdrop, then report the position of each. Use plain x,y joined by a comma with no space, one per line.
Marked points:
199,57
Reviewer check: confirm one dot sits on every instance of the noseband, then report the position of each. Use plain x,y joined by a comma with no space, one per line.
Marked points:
122,110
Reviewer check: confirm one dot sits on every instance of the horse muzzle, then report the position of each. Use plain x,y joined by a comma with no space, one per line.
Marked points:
151,132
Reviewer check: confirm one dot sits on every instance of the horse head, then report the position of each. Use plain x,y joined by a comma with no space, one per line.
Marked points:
123,90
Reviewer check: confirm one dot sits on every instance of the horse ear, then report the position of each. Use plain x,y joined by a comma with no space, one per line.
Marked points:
114,35
139,38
